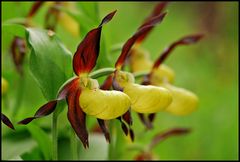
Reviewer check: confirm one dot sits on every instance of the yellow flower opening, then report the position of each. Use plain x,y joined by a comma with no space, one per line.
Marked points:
103,104
144,99
4,86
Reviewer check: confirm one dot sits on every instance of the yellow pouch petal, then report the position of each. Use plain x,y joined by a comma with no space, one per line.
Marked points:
148,99
4,86
184,101
104,104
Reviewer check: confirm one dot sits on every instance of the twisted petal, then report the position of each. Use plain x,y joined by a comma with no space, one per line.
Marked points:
104,104
77,117
35,7
6,121
130,42
184,41
104,129
49,107
87,52
156,11
184,101
148,99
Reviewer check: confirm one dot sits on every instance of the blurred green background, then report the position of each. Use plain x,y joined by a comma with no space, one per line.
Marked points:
208,68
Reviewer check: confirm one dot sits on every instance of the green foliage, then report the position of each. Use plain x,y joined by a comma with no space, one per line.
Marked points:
50,61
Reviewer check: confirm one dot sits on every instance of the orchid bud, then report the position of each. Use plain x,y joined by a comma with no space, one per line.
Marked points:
140,61
69,24
144,99
184,101
162,74
103,104
4,86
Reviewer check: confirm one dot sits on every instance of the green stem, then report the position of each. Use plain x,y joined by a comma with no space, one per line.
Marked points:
101,72
54,137
74,146
19,96
140,74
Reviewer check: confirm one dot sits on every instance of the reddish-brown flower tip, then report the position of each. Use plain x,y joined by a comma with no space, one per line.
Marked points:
107,83
164,135
18,52
44,110
151,117
156,11
131,134
184,41
77,117
130,42
6,121
104,129
87,52
108,18
35,7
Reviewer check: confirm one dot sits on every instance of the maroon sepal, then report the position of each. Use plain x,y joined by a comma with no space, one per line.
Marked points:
18,52
35,7
104,129
164,135
107,83
184,41
6,121
123,125
145,121
151,117
131,134
87,52
45,110
127,117
130,42
156,11
77,117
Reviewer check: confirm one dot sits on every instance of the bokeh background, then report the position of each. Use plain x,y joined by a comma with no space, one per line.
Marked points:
208,68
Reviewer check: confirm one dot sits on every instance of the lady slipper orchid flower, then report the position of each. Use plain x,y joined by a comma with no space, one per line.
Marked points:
184,101
82,92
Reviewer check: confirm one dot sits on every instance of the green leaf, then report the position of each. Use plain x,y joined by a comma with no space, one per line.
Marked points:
89,9
43,140
13,29
34,154
50,61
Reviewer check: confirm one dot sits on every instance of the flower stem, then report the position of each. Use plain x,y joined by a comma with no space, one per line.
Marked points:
74,145
101,72
54,137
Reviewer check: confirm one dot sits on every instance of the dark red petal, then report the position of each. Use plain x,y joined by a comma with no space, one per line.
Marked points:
151,117
164,135
104,129
107,83
36,5
145,121
44,110
184,41
123,125
87,52
68,87
156,11
130,42
18,52
131,134
6,121
77,117
127,117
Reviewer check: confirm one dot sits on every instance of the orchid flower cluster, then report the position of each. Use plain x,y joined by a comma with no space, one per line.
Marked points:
120,94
